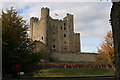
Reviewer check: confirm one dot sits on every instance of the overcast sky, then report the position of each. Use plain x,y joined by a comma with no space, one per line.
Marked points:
91,19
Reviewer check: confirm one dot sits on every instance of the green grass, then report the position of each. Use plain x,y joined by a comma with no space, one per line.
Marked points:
69,72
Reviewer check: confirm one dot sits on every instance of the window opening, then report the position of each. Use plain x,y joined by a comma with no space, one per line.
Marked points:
64,24
64,35
61,28
54,33
64,28
53,46
42,38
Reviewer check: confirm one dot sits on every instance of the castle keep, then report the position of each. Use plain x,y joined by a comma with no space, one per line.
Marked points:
58,38
57,35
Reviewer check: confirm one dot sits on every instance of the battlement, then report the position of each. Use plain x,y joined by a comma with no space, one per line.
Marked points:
44,12
69,14
68,17
44,8
57,19
57,34
77,33
34,19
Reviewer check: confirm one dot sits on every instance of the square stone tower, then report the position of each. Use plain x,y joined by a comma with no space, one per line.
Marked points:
57,35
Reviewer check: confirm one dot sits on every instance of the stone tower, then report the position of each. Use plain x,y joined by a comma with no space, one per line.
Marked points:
57,35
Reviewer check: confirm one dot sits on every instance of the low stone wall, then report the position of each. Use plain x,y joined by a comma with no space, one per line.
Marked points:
73,57
78,65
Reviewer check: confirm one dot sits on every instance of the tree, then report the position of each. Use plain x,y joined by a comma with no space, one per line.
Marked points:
13,34
16,46
106,52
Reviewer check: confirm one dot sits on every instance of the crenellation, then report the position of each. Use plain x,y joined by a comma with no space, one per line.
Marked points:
69,14
44,13
34,19
57,34
61,20
44,8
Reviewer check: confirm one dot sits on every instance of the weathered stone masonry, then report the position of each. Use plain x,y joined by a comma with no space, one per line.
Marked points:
115,22
59,38
74,57
58,35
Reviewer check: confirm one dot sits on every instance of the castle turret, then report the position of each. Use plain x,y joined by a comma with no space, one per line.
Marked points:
44,26
56,34
32,20
70,21
44,12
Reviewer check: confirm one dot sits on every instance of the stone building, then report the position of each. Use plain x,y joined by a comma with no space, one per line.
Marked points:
115,22
57,35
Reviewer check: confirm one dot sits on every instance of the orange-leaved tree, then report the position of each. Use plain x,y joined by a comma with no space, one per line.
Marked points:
106,50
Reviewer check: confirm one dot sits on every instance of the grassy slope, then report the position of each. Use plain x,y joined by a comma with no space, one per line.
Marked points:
69,72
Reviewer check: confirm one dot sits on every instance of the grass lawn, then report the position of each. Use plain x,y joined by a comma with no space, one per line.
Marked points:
70,72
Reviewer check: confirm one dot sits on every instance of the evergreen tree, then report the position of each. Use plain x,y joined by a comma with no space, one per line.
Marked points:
13,34
16,46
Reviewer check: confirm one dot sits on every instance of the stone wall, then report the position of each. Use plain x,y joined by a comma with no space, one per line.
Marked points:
38,32
57,35
115,22
73,57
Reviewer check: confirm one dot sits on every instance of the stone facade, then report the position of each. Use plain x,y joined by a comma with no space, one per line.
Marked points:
74,57
115,22
57,35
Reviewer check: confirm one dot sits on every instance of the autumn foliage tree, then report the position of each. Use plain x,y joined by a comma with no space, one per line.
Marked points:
106,50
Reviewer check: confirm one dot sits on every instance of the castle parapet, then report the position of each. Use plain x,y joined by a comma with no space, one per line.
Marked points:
68,17
44,12
69,14
77,33
34,19
44,8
